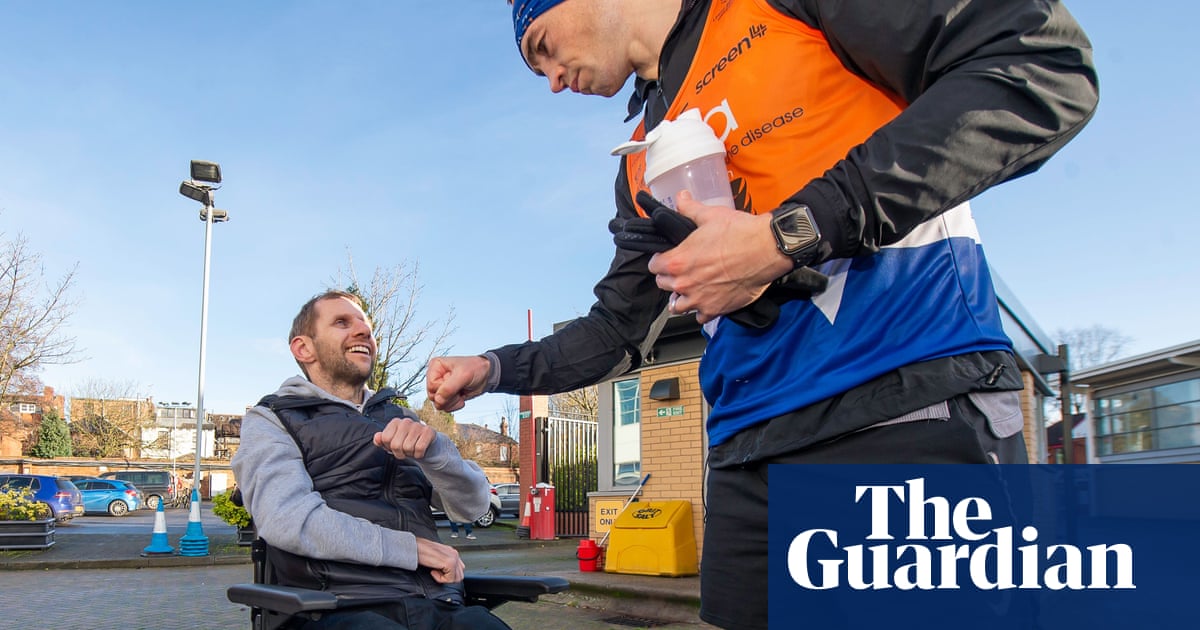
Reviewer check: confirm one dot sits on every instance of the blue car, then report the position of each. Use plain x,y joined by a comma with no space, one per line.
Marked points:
109,496
60,494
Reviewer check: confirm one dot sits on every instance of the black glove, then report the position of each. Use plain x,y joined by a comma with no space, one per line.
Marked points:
662,230
666,228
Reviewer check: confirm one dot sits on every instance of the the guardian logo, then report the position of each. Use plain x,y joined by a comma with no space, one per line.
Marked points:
946,547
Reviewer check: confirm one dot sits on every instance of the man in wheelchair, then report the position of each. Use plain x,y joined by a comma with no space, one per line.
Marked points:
339,480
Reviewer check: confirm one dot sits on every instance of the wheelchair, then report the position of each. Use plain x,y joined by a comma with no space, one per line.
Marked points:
276,607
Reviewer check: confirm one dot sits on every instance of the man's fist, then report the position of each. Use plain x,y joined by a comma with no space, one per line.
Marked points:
403,438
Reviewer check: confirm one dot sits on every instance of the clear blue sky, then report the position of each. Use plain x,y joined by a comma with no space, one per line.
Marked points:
412,132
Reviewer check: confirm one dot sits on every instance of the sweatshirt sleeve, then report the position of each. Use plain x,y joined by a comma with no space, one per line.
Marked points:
460,487
292,516
993,90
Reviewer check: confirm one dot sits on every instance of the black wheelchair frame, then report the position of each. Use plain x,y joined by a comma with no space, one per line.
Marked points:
274,607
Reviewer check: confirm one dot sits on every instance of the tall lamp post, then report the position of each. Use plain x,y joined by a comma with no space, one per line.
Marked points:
200,188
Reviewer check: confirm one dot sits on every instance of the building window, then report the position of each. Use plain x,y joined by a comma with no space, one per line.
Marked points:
503,453
25,408
1154,418
627,432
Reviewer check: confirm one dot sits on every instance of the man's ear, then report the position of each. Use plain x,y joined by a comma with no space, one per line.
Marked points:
302,350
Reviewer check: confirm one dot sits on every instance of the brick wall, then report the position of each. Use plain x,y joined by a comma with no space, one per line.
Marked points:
673,445
500,474
64,466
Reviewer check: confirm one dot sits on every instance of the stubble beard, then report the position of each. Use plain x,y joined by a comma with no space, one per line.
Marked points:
341,370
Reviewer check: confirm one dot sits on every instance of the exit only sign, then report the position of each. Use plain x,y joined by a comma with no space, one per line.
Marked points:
670,411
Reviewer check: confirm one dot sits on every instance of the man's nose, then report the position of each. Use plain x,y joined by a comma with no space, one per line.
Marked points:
558,79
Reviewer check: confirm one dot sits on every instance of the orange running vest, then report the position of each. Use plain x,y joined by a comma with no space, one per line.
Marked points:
784,106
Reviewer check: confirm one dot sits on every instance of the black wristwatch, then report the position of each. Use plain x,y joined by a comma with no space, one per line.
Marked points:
796,233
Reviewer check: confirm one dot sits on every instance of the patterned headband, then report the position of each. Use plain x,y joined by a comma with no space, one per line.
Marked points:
525,12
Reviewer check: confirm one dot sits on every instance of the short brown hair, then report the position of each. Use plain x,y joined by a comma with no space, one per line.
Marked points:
306,318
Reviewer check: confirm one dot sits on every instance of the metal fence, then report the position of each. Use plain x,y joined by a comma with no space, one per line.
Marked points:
568,449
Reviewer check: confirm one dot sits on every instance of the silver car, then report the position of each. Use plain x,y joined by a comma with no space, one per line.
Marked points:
510,497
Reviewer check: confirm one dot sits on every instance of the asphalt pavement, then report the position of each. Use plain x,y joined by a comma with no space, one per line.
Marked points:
97,575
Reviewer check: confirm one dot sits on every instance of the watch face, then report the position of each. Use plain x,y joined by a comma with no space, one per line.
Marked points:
794,230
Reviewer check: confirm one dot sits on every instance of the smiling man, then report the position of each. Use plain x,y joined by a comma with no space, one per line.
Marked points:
339,481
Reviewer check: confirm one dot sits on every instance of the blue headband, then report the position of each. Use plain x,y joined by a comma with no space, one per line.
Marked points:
525,12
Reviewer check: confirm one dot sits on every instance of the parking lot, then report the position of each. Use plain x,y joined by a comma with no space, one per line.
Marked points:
193,598
143,521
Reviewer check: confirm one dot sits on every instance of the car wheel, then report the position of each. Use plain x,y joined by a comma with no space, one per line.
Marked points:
487,519
118,508
152,501
58,518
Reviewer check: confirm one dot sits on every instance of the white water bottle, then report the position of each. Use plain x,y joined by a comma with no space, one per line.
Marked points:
684,154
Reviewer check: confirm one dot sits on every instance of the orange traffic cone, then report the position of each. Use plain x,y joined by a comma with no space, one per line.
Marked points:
523,528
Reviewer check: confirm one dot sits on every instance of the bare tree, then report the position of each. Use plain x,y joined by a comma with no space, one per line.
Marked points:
581,404
392,297
32,315
108,419
1089,346
511,409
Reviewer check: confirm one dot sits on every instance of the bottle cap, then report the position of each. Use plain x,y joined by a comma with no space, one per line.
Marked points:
674,142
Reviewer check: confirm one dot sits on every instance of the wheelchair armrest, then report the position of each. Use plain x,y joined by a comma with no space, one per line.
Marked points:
490,590
482,590
287,600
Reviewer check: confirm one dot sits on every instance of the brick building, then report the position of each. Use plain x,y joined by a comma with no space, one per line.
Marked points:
21,419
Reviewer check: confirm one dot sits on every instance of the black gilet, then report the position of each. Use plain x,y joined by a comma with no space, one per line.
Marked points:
358,478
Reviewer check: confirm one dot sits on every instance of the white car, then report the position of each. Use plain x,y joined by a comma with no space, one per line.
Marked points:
486,520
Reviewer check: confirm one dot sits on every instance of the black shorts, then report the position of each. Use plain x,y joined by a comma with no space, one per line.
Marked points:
733,573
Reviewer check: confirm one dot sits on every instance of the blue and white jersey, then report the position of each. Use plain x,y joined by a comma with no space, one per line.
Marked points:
925,297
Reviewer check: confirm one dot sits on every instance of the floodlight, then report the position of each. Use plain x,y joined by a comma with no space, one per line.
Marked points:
206,171
196,192
218,215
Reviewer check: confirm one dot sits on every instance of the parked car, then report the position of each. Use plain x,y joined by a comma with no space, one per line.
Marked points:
155,485
510,497
109,496
60,494
486,520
